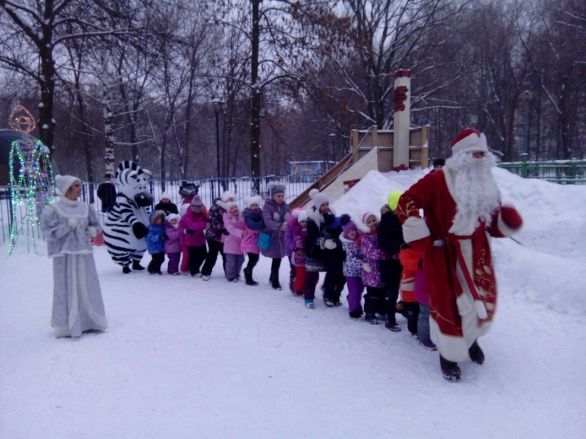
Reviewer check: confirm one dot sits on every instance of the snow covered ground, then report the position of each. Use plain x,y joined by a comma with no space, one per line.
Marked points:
185,358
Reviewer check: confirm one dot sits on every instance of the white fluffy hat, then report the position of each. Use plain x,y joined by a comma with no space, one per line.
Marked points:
64,182
469,140
318,198
227,196
255,199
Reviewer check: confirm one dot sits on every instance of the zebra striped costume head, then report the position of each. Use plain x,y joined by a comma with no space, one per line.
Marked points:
133,182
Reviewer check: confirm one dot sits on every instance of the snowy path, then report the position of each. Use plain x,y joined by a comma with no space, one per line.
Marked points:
184,359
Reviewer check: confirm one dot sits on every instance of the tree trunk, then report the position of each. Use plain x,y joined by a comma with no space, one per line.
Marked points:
255,99
47,83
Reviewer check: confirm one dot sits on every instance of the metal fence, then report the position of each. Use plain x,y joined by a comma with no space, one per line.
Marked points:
555,171
208,190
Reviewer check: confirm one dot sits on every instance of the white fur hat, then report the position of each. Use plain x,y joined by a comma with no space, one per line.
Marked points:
227,196
64,182
302,216
318,198
166,195
469,140
255,199
173,216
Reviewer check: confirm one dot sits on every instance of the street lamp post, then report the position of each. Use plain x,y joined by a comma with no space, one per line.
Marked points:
218,108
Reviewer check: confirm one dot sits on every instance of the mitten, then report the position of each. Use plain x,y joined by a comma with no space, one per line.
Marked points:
330,244
139,230
511,217
72,223
366,267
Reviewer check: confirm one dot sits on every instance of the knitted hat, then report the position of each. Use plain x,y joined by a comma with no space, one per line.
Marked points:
274,188
228,196
173,216
166,195
366,215
348,227
255,199
469,140
196,201
318,198
64,182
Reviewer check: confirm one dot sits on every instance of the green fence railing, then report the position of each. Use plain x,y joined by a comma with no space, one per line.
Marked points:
555,171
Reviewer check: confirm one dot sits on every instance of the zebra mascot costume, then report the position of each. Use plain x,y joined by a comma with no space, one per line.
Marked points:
126,224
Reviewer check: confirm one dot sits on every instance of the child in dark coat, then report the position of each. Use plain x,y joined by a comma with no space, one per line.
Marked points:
253,223
155,241
390,239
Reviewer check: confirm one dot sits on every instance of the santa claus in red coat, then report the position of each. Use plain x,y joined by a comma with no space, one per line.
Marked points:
461,211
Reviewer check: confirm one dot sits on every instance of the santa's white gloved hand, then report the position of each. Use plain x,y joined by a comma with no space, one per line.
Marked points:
92,232
366,267
72,223
330,244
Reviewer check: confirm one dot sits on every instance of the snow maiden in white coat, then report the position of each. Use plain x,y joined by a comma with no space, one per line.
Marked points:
127,222
68,225
462,210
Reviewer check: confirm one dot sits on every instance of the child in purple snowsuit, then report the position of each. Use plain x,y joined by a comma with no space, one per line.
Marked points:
172,245
352,267
372,254
234,224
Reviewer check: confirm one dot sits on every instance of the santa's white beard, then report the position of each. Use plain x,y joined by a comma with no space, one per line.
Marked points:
475,190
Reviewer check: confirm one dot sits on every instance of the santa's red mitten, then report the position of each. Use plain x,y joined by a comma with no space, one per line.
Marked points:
511,217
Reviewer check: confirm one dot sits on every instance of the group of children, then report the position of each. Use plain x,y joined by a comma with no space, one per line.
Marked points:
361,254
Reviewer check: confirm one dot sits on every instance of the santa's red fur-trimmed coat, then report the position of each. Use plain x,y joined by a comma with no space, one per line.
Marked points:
461,279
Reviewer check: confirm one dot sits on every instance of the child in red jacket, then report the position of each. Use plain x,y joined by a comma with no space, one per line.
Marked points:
409,306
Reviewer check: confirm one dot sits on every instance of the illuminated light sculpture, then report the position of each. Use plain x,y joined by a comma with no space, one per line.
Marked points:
32,186
21,119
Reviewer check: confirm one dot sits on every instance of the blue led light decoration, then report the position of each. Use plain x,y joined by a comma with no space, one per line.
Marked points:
32,187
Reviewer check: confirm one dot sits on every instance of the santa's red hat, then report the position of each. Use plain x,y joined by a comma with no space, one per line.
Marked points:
469,140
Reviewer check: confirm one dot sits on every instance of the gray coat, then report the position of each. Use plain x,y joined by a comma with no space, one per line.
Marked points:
274,216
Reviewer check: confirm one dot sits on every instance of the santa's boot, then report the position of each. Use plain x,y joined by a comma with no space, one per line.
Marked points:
476,354
450,370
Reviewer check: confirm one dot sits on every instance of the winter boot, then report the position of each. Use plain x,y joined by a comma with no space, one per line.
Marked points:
392,326
248,277
476,354
136,266
126,269
309,304
450,370
371,318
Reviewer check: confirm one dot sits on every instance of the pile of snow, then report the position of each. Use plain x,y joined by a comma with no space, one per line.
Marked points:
545,258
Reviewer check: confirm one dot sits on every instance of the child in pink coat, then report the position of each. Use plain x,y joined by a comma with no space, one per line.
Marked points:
191,232
234,224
